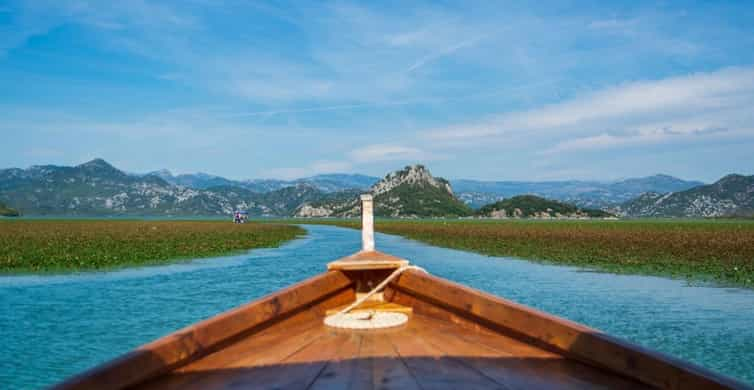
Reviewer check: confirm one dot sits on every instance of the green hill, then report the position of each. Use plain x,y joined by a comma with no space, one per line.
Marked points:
531,206
420,200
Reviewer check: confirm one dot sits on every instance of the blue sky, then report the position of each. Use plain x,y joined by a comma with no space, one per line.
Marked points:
488,90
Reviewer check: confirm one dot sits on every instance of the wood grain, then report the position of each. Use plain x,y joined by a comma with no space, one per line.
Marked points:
474,309
207,336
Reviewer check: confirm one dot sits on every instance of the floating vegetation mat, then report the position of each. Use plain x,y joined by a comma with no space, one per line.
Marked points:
703,250
40,246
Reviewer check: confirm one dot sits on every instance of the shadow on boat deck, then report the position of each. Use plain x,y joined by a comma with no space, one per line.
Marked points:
449,372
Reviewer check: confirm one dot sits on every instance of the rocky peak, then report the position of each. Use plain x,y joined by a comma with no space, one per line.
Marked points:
100,166
414,175
96,163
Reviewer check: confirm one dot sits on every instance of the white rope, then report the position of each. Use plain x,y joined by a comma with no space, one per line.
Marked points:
373,319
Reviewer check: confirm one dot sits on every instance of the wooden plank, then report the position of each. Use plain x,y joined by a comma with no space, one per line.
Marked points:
375,364
298,371
269,346
433,369
574,340
347,370
263,372
388,370
254,351
205,337
518,371
436,311
367,360
501,343
370,260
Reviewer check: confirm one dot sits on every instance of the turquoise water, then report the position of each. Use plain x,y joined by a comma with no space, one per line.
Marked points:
55,326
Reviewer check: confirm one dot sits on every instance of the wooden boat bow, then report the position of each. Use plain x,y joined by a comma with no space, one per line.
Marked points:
456,337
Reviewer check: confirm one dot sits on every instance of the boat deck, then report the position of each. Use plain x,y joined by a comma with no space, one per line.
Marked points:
426,353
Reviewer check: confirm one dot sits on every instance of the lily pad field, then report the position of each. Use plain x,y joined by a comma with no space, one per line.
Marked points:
711,250
65,245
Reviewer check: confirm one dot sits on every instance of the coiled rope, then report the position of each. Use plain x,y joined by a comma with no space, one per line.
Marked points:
373,319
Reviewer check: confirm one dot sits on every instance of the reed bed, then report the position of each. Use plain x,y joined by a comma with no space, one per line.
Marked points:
719,250
51,246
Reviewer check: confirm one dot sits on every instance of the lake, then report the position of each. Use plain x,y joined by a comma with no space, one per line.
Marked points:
54,326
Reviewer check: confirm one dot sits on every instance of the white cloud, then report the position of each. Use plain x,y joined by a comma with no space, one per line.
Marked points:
634,113
692,108
336,67
370,154
387,152
642,137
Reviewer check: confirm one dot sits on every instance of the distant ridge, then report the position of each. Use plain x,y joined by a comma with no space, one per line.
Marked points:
589,194
731,196
326,182
475,193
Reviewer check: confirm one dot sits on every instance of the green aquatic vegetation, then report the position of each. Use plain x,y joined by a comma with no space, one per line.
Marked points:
52,246
715,250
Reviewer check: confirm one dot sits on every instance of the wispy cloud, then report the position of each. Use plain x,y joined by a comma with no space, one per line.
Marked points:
444,52
653,110
370,154
387,152
378,86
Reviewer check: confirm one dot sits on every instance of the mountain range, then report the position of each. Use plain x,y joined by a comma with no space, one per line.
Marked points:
475,193
731,196
588,194
327,183
98,188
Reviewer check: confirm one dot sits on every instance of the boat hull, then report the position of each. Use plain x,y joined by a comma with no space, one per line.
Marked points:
456,336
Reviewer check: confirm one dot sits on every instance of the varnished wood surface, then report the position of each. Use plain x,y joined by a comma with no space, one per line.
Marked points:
475,310
457,337
302,302
426,353
367,260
